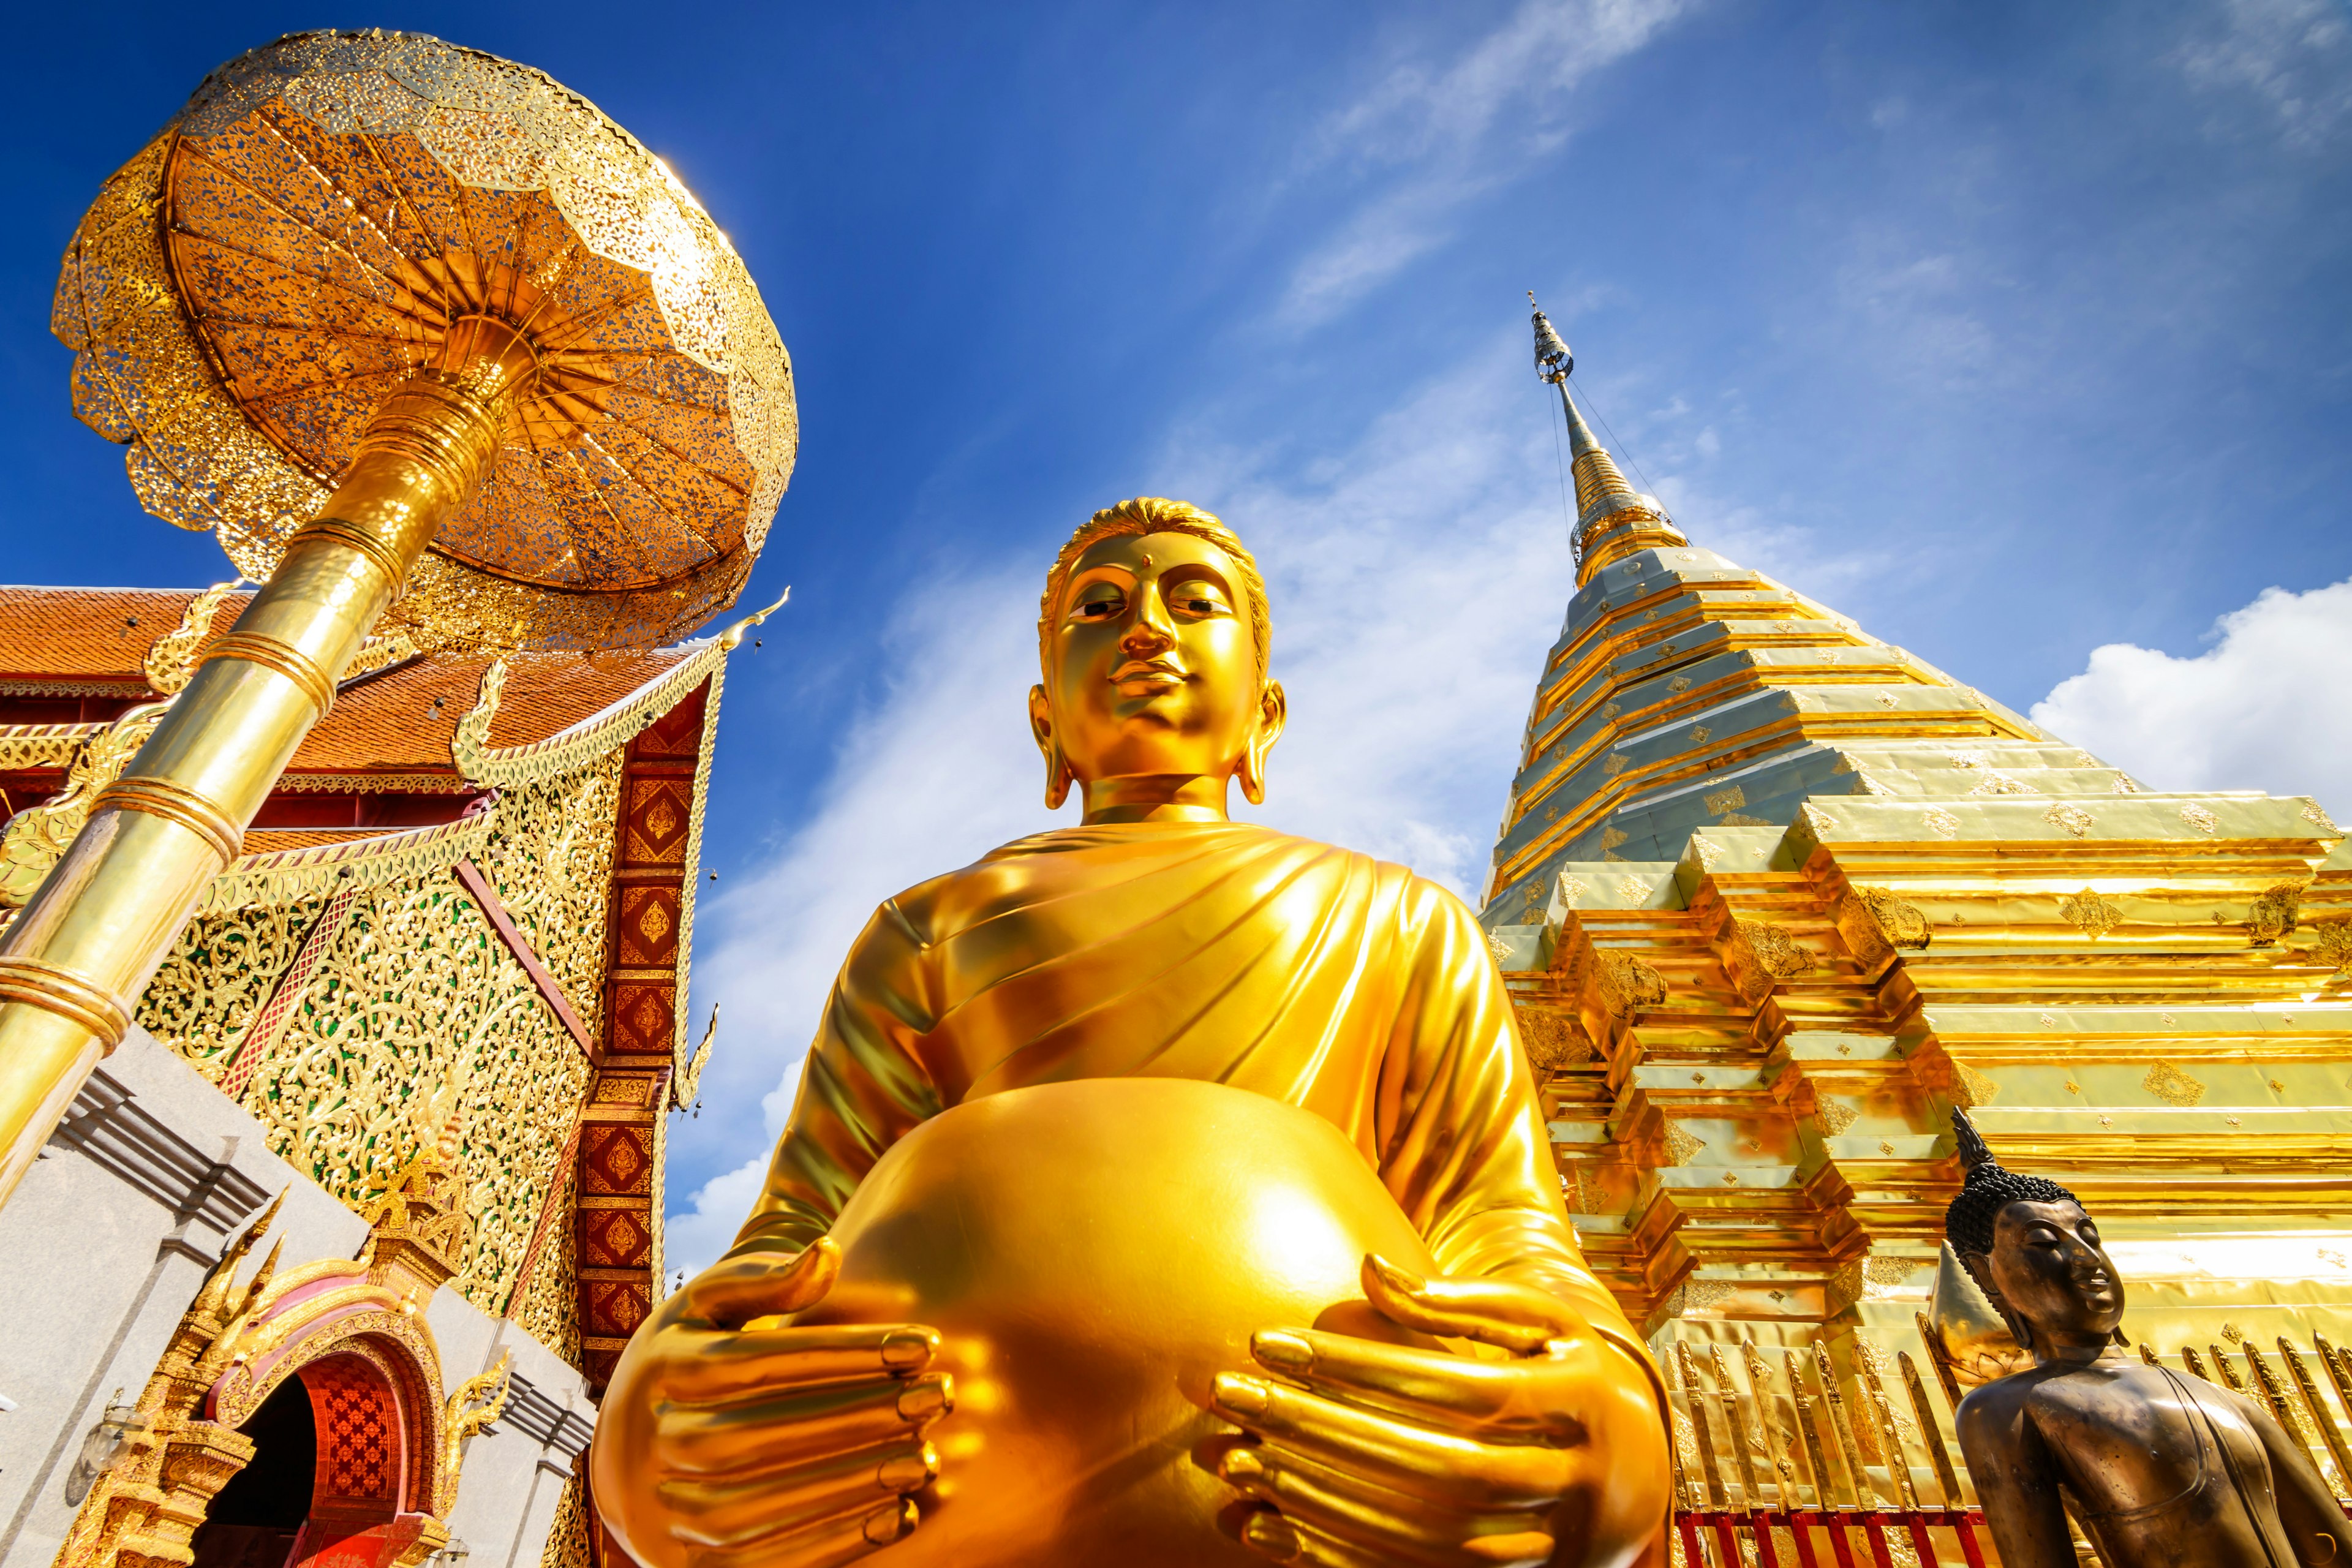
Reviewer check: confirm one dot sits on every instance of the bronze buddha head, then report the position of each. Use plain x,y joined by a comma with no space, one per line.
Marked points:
2034,1252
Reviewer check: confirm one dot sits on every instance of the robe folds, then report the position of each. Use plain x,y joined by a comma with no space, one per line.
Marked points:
1214,950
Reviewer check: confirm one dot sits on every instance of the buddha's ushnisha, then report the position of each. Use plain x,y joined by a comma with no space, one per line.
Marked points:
2168,1471
1160,1191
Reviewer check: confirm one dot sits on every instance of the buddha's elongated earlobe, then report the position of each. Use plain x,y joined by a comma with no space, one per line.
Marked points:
1058,776
1252,773
1274,711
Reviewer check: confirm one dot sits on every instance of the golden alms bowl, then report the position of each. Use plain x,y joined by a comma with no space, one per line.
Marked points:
1093,1253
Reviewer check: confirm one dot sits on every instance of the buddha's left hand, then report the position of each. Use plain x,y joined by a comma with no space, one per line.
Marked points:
1372,1454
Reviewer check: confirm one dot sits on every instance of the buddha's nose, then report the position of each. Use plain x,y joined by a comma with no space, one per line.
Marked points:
1153,628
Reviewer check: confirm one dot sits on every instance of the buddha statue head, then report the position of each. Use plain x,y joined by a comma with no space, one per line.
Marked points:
2035,1253
1152,641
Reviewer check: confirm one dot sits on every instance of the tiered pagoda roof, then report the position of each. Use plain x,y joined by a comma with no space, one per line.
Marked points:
1773,896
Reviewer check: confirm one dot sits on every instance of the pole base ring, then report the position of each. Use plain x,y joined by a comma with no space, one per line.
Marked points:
61,992
281,657
175,803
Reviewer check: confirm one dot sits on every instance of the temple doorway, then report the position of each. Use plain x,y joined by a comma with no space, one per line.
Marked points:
325,1484
258,1518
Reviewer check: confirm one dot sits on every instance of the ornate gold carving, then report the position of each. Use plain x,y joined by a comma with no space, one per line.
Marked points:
2311,812
1633,890
1998,783
1625,985
2090,914
1835,1116
1552,1037
1780,954
37,837
2172,1086
477,1402
2331,942
1680,1145
2197,817
2275,914
615,727
171,661
1942,823
1573,890
1876,922
1708,850
1731,799
1973,1088
1614,764
285,876
2070,818
415,988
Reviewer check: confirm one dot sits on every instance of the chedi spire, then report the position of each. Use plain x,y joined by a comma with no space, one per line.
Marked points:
1613,518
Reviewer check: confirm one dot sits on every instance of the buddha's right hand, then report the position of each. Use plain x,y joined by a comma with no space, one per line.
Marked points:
726,1444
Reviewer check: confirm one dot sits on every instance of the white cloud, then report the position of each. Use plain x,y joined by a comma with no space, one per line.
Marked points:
1443,136
2294,57
2257,710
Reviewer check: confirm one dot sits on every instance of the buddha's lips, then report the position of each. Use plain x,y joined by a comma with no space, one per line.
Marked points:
1152,672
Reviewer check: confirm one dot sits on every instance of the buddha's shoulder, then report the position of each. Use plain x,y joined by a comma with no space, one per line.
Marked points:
1068,861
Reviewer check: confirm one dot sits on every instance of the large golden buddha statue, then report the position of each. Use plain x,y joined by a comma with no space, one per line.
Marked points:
1163,1191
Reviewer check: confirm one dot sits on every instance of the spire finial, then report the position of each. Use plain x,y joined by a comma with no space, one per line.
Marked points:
1553,362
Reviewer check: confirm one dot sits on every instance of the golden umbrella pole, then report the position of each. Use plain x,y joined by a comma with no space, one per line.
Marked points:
514,377
72,963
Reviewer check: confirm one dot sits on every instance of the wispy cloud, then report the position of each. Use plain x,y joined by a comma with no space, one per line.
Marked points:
1426,141
2240,715
2293,58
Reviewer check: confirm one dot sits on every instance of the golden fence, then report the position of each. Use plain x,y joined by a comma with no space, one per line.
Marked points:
1778,1465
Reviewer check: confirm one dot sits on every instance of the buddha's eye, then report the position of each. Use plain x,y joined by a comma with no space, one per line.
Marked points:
1097,602
1199,599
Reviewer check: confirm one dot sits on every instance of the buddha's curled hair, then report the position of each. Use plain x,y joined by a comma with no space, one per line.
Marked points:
1969,1222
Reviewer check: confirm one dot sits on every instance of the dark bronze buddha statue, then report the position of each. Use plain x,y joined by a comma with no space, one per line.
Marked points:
2165,1470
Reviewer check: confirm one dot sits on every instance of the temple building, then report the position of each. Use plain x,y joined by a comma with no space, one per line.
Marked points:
408,1068
1773,897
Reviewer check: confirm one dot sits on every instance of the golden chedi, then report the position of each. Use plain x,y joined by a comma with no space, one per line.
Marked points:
1163,1191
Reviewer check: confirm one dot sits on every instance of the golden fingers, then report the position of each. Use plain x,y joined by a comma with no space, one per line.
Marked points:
1517,1318
733,1291
1524,1399
1436,1466
757,1437
712,1367
736,1513
1369,1516
820,1546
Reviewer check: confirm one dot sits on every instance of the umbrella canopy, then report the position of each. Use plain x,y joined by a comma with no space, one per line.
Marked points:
324,214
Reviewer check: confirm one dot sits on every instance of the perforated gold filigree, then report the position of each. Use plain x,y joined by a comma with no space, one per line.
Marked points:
304,234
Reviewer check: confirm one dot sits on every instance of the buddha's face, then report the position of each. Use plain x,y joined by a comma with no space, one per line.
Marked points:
1151,666
2050,1272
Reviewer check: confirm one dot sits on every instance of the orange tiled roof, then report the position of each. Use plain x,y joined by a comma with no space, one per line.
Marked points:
400,721
87,634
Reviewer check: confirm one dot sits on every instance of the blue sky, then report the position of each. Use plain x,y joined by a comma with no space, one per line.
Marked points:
2019,332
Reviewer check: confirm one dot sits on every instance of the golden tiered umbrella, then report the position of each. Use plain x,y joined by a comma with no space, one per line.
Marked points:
435,348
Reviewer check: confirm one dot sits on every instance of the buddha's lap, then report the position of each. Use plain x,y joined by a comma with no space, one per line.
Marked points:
1093,1253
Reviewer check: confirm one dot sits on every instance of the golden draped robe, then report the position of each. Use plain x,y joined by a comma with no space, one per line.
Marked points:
1214,951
